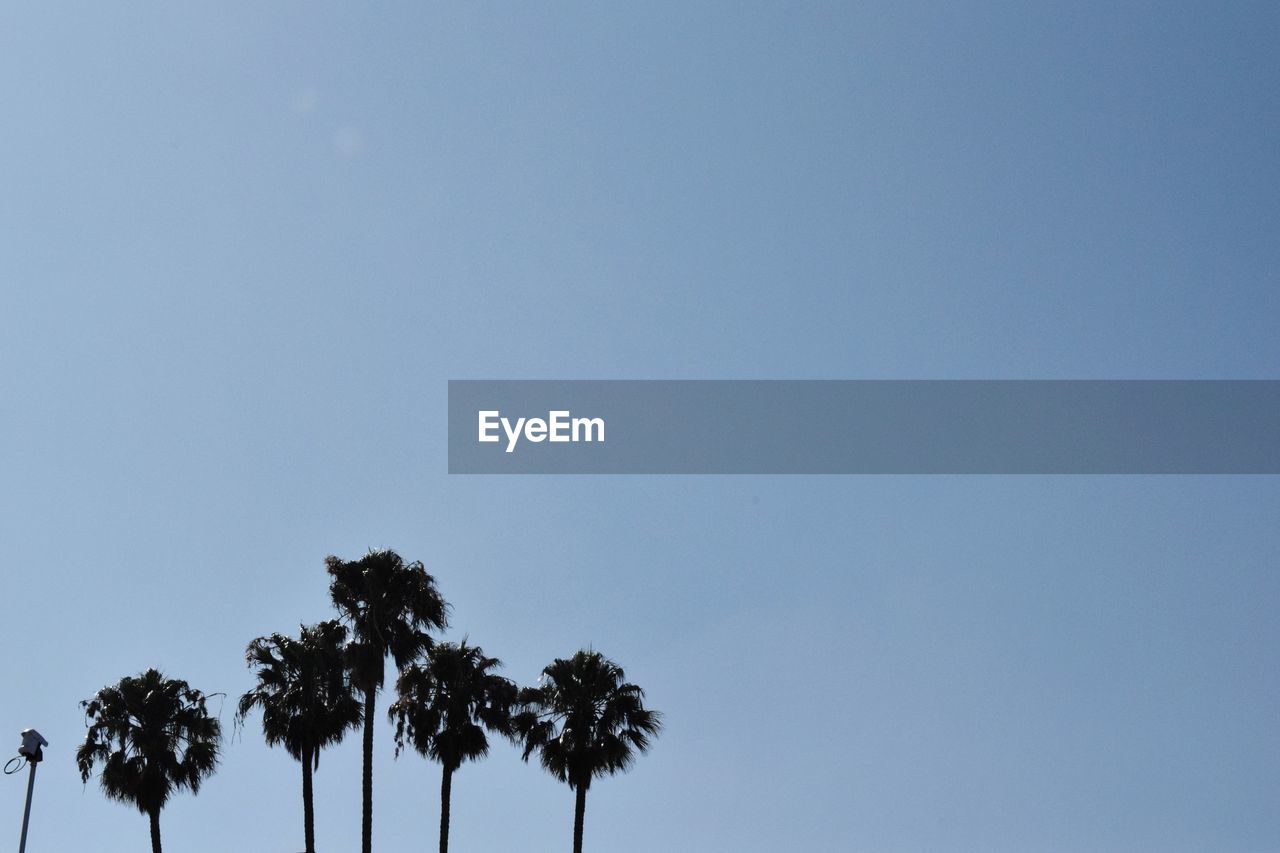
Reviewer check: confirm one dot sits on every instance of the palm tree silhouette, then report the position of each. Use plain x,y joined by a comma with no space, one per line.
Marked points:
390,605
153,736
584,721
444,707
306,701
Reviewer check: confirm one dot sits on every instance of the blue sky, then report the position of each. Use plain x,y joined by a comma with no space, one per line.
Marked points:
244,248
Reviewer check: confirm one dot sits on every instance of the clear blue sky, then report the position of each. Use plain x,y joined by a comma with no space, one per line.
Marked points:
243,246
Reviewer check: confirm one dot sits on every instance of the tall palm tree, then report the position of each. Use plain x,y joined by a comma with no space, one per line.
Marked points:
306,701
444,707
584,721
153,736
390,606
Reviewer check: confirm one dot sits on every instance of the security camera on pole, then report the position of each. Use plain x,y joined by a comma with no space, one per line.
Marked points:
32,753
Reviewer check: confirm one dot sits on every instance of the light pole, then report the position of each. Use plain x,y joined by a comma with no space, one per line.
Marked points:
31,749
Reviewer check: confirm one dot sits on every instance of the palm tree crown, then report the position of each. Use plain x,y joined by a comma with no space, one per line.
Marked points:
584,720
152,736
302,689
446,704
390,605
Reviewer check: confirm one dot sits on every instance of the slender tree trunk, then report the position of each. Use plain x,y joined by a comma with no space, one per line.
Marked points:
579,809
366,833
446,788
308,808
154,815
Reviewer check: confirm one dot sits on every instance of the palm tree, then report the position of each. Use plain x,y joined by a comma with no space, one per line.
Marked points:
306,701
153,736
444,708
390,605
584,721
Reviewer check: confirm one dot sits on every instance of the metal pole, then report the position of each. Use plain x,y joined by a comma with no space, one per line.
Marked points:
26,814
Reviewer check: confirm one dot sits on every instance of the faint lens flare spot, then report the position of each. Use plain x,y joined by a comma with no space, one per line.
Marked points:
348,141
306,101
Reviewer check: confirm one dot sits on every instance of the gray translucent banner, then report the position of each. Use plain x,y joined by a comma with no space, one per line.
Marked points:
864,427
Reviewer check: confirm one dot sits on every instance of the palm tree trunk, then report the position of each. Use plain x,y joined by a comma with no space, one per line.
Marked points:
579,809
446,788
154,815
308,808
366,832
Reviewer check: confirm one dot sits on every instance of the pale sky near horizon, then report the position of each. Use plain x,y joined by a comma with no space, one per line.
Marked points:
244,246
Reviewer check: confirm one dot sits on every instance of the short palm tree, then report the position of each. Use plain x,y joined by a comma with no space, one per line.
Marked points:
584,721
153,736
391,606
445,705
306,701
